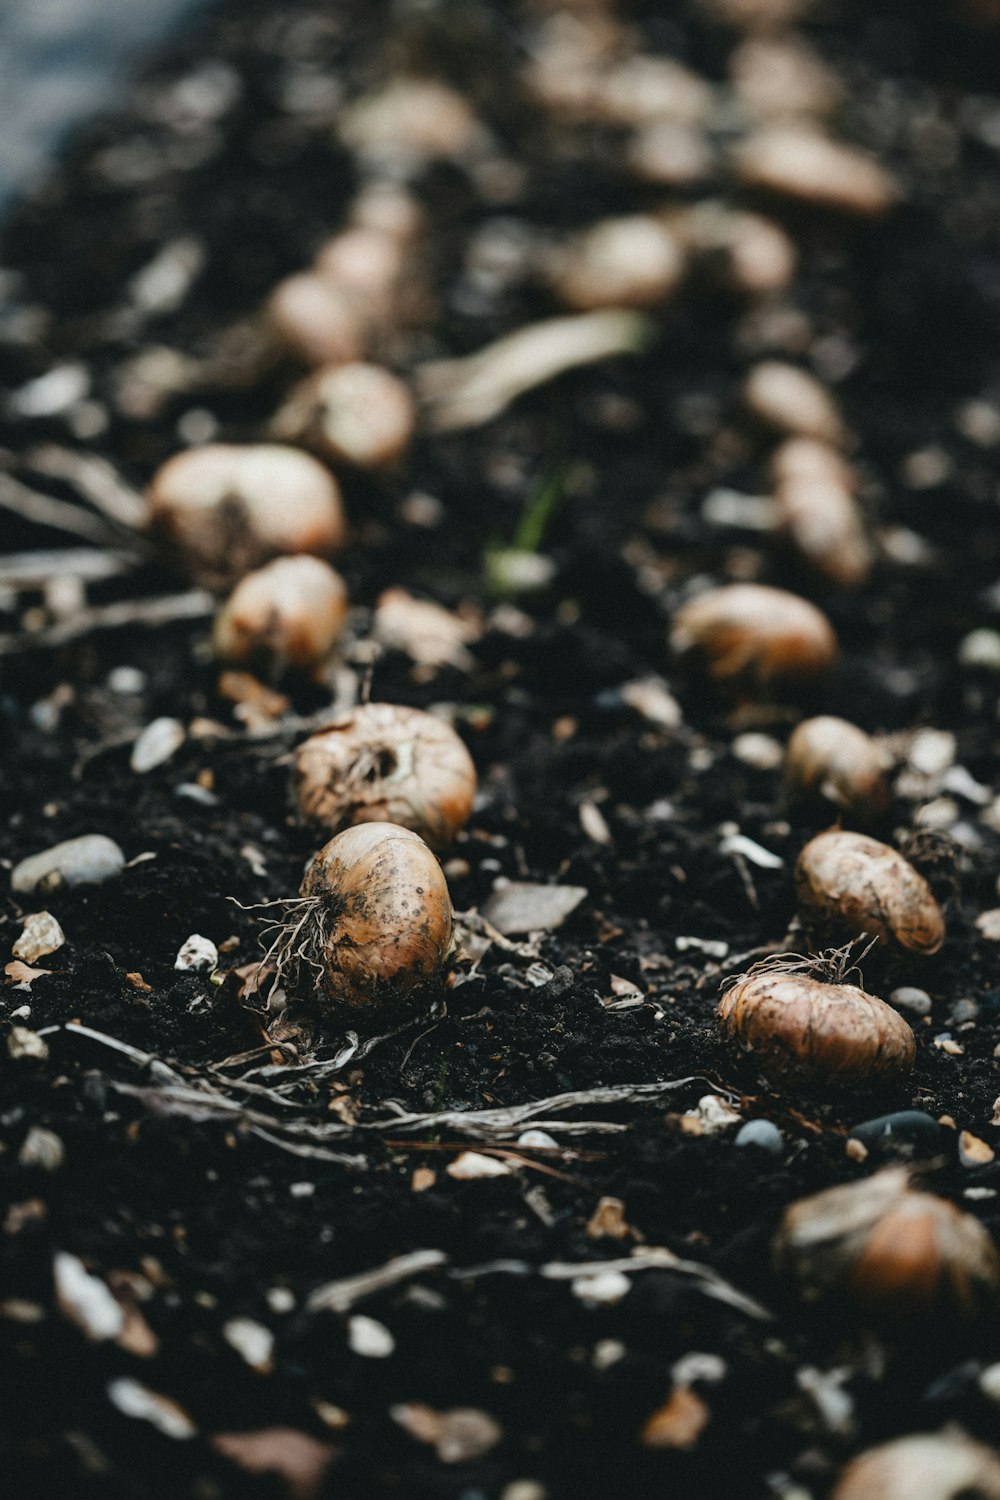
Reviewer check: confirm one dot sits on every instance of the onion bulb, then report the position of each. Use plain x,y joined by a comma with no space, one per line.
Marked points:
749,635
225,509
358,414
829,760
848,884
287,614
798,1026
374,925
384,763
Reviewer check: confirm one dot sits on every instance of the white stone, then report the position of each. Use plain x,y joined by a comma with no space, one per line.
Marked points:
88,860
252,1341
41,934
369,1338
85,1300
156,744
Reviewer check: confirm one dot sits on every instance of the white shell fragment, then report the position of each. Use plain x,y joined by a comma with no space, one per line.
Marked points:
85,1300
41,935
88,860
136,1400
156,744
198,955
369,1338
523,906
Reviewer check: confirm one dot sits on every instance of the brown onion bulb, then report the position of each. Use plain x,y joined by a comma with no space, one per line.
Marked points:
790,400
848,883
365,267
632,261
316,320
830,760
383,763
750,635
226,508
796,162
831,1033
815,493
378,930
357,414
287,614
924,1466
896,1253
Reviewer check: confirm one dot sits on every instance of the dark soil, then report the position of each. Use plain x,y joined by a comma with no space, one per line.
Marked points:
192,1208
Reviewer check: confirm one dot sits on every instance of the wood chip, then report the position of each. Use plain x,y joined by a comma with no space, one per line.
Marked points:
678,1423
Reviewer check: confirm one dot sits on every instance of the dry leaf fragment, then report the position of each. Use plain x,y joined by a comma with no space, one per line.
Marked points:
429,634
523,906
458,1435
678,1423
85,1300
296,1458
608,1221
21,975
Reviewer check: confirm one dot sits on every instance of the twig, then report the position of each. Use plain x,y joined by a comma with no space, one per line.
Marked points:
57,515
29,570
340,1296
96,479
164,610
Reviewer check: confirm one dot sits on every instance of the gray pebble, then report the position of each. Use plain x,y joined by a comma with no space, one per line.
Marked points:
763,1134
89,860
915,1002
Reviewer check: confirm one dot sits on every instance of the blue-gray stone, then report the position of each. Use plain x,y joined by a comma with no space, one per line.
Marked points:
763,1135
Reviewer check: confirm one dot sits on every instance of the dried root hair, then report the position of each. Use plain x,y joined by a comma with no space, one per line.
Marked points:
830,965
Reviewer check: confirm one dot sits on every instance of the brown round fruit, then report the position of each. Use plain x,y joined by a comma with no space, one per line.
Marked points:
829,760
378,922
848,884
750,636
358,414
800,1027
226,509
898,1255
384,763
287,614
924,1466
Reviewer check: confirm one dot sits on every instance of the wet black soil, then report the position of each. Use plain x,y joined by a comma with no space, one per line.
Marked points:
184,1205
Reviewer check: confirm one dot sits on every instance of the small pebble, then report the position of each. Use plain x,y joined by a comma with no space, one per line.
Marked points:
156,744
762,1134
89,860
908,1131
761,751
85,1300
915,1002
601,1288
369,1338
198,954
980,651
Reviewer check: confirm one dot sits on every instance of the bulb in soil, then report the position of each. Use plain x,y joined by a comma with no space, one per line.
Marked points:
829,760
364,266
798,162
790,400
627,262
897,1254
315,320
390,208
925,1466
289,613
375,925
751,637
848,884
815,493
225,509
383,763
799,1027
356,414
